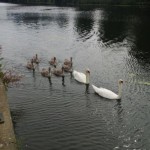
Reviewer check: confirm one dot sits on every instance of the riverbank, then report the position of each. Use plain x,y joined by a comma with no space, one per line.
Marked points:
7,136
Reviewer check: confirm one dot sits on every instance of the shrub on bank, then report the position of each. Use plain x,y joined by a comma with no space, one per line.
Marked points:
8,76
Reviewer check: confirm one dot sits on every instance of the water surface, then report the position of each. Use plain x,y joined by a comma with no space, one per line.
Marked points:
113,42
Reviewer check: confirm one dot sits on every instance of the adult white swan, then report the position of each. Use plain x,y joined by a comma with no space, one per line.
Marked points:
107,93
81,77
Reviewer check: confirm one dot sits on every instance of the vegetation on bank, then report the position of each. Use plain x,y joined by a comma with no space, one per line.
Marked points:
9,75
80,2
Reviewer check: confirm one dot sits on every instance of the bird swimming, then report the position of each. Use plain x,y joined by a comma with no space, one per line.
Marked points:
107,93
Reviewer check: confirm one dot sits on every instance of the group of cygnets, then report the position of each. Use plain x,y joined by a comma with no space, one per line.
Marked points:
79,76
46,72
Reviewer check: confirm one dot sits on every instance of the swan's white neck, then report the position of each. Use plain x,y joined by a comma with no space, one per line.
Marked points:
120,90
87,78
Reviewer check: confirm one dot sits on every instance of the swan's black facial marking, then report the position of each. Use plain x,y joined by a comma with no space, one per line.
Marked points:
120,81
87,71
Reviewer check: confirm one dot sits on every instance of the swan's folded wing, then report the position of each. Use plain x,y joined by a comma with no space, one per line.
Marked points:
105,92
79,76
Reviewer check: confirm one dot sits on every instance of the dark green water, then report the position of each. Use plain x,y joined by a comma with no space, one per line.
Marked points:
113,42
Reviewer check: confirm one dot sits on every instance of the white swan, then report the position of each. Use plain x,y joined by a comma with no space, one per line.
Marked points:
81,77
107,93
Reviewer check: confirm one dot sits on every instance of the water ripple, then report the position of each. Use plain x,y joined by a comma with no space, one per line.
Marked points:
109,42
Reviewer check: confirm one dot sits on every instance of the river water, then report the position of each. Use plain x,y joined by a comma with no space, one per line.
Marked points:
113,42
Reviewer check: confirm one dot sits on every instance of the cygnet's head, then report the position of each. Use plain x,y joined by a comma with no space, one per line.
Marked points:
120,81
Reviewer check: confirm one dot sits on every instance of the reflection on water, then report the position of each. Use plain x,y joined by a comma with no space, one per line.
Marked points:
113,42
38,19
113,26
140,48
84,24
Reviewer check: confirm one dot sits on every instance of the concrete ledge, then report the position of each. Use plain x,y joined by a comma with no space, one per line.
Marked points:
7,136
